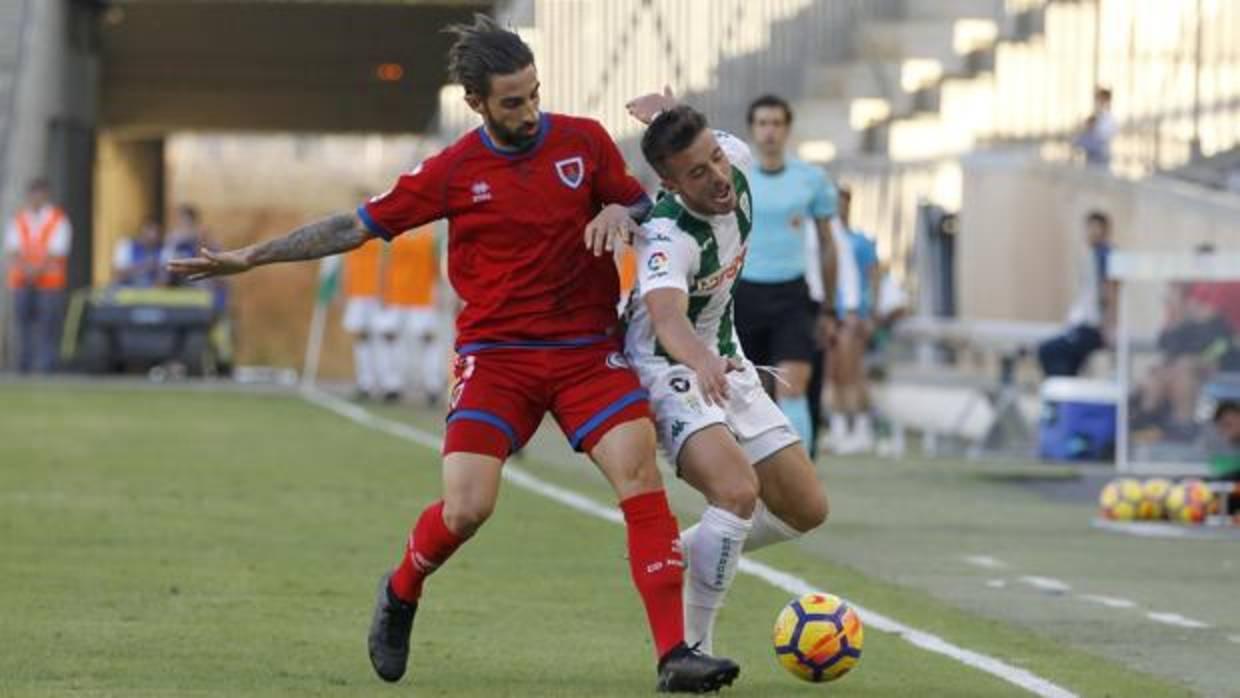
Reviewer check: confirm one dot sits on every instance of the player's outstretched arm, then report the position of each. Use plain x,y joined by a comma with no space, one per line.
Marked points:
669,314
339,233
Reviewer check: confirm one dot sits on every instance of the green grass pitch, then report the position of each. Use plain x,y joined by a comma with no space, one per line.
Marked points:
197,543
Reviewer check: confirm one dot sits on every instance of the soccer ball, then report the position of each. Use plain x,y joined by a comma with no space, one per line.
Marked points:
818,637
1154,497
1121,499
1189,502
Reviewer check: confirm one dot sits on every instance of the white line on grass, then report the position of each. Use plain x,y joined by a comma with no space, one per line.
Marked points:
1048,584
775,577
1109,601
985,562
1177,620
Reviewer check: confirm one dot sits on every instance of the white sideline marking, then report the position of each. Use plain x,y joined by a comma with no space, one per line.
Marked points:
996,583
775,577
1109,601
1047,584
1176,620
985,562
1234,638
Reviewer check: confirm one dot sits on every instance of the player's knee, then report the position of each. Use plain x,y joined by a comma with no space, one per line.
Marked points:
641,475
738,496
811,511
466,517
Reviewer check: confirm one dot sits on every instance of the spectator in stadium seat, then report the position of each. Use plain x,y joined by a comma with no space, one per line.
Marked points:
138,262
36,244
1091,318
1099,130
1197,342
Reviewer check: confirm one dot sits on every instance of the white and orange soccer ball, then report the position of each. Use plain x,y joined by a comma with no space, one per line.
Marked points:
1121,499
818,637
1190,502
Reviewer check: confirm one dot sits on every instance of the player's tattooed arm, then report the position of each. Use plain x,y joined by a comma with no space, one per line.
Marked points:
339,233
334,234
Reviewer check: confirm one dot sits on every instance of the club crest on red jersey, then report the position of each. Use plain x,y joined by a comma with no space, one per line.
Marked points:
571,171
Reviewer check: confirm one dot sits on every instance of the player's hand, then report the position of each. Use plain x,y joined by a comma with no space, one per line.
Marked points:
609,228
712,376
209,264
646,107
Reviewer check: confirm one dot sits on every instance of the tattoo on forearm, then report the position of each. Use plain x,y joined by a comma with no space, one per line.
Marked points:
338,233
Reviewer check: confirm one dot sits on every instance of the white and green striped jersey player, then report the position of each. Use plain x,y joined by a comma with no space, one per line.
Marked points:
701,255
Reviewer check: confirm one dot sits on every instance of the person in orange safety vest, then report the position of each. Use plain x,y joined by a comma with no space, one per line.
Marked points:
408,294
36,247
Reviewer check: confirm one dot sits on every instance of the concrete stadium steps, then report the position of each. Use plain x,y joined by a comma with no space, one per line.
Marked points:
889,88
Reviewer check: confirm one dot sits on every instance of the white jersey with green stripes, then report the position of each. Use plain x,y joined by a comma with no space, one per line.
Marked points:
699,254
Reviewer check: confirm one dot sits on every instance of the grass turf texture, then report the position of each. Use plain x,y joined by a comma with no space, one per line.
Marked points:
186,543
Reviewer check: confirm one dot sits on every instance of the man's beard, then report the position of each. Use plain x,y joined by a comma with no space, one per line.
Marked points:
515,139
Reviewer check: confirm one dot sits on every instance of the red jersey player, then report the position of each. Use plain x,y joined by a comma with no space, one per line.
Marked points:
522,194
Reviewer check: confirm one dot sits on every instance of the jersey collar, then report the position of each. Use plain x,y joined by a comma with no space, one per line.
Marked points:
544,125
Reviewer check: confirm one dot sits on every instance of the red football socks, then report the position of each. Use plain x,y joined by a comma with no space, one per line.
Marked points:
657,566
431,543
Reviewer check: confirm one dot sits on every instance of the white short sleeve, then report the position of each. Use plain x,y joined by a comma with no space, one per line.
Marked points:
666,257
736,149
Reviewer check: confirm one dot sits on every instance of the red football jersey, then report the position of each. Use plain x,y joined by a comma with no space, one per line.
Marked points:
516,255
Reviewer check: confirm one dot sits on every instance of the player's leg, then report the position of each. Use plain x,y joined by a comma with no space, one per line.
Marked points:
425,328
389,368
603,410
793,349
356,322
863,423
793,501
712,463
625,455
495,410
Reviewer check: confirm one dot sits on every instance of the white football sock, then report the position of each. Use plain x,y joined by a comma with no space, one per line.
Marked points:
767,530
364,364
713,547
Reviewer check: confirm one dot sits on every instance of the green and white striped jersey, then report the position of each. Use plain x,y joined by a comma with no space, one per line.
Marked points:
699,254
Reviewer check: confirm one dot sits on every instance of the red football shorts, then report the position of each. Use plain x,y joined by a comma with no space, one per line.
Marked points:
503,389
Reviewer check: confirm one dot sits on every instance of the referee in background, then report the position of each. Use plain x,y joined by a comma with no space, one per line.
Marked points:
779,325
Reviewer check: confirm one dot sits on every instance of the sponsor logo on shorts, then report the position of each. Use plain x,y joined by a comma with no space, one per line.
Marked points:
680,384
678,427
657,261
616,360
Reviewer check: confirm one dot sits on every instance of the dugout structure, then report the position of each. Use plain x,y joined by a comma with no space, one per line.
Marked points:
1177,335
